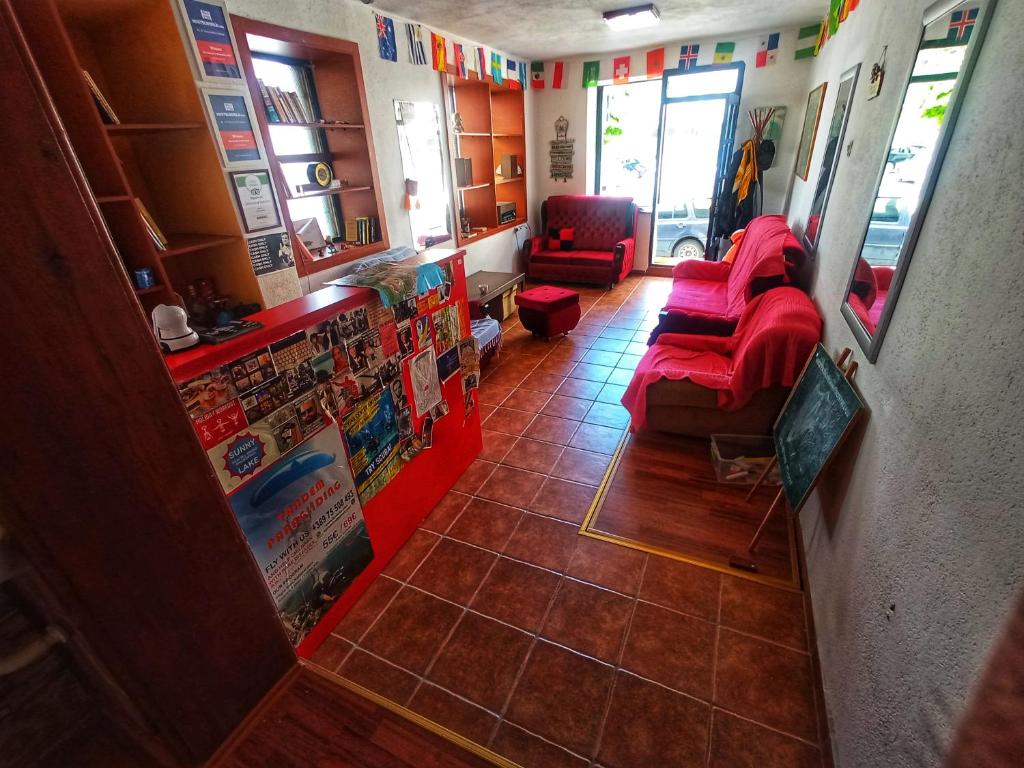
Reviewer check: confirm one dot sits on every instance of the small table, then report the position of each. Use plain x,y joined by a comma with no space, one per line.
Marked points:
498,284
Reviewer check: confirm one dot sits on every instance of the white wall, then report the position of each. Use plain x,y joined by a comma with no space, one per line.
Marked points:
925,510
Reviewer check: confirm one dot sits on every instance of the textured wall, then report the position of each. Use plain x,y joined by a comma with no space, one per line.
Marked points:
926,512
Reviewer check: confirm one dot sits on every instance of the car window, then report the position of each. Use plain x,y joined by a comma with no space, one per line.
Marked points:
886,209
702,208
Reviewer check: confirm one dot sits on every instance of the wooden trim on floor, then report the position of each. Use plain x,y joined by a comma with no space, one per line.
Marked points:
657,270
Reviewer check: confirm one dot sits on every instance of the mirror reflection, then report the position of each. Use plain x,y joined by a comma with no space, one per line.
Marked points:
426,195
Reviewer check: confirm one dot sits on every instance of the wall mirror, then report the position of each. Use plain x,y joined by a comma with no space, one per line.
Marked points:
815,100
419,140
830,161
952,35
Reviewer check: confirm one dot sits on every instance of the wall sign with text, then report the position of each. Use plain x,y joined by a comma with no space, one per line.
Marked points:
234,129
254,194
211,39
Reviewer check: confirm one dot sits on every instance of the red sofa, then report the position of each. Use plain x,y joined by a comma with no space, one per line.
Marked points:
708,297
603,240
868,293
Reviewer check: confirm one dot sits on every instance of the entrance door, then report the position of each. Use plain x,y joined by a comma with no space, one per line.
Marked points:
697,130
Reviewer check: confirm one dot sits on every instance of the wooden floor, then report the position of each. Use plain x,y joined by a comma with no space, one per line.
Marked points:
663,494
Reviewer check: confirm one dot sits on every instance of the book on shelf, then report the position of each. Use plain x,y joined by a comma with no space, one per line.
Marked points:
362,230
107,113
155,234
284,107
268,104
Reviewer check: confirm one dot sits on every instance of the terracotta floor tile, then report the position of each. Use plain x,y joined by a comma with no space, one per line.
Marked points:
542,382
493,394
509,421
411,554
551,429
367,608
526,749
558,366
444,514
453,571
757,609
533,455
641,336
566,407
510,485
636,348
589,620
739,743
543,541
453,713
568,352
526,400
601,357
611,393
629,362
681,587
380,677
481,660
620,376
561,696
485,411
563,500
618,334
474,476
505,377
412,629
589,329
516,593
591,372
581,388
767,683
496,445
607,415
594,437
582,466
486,524
331,653
607,565
648,725
672,649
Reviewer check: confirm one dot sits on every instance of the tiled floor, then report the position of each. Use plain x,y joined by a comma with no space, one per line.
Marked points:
500,622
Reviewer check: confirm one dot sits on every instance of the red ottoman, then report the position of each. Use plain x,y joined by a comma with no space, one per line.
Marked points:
548,311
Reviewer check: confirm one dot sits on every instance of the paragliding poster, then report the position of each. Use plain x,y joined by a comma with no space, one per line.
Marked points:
304,524
371,432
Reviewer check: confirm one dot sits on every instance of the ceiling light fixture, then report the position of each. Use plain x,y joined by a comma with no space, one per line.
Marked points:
636,17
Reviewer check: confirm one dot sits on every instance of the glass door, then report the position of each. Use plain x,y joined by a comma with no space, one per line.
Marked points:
697,130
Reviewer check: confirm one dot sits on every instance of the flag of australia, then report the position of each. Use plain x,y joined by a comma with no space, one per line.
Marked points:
386,38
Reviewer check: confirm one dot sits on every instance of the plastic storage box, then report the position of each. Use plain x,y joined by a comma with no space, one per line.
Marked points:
740,459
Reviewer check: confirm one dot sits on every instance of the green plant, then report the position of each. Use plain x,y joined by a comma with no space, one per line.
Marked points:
937,111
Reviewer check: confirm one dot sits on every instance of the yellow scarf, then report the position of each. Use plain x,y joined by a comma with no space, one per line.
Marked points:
747,172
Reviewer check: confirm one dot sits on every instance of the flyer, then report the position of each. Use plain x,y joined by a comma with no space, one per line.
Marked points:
270,253
234,131
211,38
305,527
255,197
426,388
371,433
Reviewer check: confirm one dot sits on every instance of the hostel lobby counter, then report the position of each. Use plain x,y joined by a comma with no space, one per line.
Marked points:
334,431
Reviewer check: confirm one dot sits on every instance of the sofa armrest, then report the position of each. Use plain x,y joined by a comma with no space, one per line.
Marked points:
534,244
721,345
697,269
625,250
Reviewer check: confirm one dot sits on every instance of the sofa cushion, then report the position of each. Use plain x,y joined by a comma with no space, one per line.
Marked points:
598,222
698,297
560,238
591,258
547,256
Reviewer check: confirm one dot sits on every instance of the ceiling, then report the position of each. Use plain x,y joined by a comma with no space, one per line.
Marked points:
553,29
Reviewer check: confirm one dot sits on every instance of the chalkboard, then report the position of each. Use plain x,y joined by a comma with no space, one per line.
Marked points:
821,410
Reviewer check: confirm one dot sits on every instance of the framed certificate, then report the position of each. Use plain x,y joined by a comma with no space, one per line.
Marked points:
231,118
254,194
211,40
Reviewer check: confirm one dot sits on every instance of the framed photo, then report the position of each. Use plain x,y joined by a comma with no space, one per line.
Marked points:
234,128
815,101
254,194
212,41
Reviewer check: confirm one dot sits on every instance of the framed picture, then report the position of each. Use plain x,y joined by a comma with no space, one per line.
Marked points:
231,119
815,101
254,194
212,41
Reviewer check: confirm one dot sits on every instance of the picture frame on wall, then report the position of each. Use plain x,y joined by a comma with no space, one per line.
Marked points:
815,102
233,123
254,196
212,41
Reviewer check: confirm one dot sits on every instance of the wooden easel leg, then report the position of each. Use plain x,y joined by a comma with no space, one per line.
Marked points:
743,562
762,476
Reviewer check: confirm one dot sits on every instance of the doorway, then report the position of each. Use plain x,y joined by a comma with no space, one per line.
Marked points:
696,133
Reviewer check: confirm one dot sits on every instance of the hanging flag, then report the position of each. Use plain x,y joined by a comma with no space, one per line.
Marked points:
688,55
960,25
822,38
591,73
557,79
496,75
386,38
806,38
460,60
481,62
833,16
511,72
437,49
537,74
767,50
655,63
522,75
620,70
414,35
847,7
723,53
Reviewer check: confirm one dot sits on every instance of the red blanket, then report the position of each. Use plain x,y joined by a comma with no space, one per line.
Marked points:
775,335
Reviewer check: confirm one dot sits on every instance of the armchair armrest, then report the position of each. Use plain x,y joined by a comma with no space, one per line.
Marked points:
625,250
696,269
534,244
721,345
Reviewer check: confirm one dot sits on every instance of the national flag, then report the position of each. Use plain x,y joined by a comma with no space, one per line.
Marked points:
655,63
723,53
511,72
557,79
414,35
522,75
386,44
767,50
805,42
591,73
834,8
496,75
822,38
620,70
847,7
437,48
481,62
460,60
688,55
960,25
537,74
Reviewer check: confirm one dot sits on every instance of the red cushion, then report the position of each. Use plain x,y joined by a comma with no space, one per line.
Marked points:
547,297
699,297
560,238
552,257
592,258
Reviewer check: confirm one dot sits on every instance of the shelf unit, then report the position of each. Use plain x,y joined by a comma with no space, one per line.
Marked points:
347,134
161,152
494,125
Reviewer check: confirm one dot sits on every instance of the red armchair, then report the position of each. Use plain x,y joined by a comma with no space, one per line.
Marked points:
603,240
869,291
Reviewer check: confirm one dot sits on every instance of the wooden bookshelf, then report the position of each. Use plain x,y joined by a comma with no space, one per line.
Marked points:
494,122
160,152
344,120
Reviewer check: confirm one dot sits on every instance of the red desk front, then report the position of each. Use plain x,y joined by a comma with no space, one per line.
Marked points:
331,407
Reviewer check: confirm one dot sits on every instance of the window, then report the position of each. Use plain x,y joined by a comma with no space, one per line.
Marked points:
627,139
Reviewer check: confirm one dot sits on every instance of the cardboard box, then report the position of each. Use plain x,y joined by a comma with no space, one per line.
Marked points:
510,166
463,172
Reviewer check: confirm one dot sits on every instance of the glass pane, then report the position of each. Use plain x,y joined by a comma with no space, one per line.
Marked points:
419,140
702,83
629,141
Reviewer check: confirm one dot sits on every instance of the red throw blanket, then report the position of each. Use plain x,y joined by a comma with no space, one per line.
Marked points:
775,336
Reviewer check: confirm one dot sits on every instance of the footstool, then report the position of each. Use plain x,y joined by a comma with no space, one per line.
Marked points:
548,311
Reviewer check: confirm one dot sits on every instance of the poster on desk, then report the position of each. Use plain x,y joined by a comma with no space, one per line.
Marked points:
371,433
211,39
304,524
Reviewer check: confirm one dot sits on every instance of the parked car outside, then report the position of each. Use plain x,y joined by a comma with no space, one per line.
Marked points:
890,220
681,230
